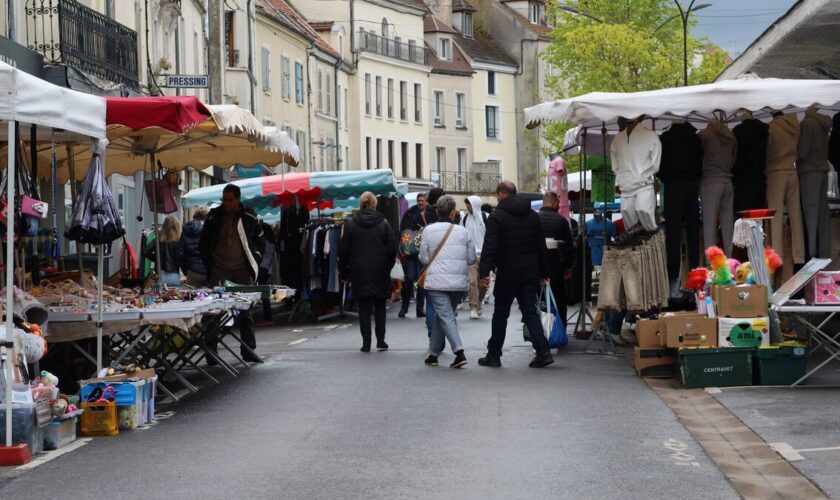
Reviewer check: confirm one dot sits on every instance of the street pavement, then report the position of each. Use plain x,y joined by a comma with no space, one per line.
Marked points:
322,420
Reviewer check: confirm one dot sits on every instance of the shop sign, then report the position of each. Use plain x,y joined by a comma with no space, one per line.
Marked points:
184,81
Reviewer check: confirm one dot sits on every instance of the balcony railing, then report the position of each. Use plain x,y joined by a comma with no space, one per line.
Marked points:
469,182
68,33
371,42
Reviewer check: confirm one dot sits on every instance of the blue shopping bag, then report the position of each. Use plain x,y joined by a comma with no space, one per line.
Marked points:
553,325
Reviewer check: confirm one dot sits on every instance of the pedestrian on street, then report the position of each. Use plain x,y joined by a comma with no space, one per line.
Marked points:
515,248
447,251
170,234
367,253
266,272
231,246
414,219
189,256
475,222
558,239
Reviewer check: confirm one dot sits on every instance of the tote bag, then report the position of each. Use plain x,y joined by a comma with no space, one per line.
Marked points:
552,323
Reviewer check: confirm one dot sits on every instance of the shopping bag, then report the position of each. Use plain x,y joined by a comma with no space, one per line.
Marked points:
397,272
553,325
410,243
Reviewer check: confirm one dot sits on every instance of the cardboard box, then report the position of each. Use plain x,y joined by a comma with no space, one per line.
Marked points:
657,363
748,301
744,332
647,333
663,327
121,377
824,288
682,331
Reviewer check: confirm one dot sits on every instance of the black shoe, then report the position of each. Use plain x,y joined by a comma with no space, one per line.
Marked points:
365,345
460,360
250,358
541,360
490,360
421,314
211,361
401,314
431,361
381,345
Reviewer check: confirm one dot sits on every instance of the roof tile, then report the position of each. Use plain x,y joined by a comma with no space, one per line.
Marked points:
294,17
481,48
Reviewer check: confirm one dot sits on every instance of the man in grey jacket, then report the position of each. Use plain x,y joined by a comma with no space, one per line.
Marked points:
447,251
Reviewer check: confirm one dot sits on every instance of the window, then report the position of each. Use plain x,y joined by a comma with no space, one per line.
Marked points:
320,104
412,50
438,109
266,69
229,47
467,27
391,98
459,111
299,89
384,27
285,78
346,110
346,156
367,93
444,49
301,141
404,158
338,104
403,101
391,154
535,13
440,159
462,160
329,89
341,45
322,151
379,96
491,115
418,160
367,152
491,82
379,153
417,106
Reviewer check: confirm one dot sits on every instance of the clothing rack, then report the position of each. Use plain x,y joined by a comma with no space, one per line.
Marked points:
634,236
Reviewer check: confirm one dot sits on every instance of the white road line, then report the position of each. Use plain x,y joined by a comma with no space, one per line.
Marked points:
52,455
298,341
713,390
793,455
832,448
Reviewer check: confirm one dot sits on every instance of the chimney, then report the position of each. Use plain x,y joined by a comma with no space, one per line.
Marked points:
442,9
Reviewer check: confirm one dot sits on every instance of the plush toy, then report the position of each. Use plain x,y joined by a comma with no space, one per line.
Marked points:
773,260
743,274
697,278
721,273
733,265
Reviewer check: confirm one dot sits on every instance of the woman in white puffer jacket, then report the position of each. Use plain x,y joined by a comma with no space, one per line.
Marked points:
446,277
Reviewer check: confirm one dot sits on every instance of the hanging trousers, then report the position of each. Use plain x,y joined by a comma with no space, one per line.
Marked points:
718,198
681,210
815,211
783,191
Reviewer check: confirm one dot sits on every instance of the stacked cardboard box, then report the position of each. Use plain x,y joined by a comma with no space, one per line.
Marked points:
742,316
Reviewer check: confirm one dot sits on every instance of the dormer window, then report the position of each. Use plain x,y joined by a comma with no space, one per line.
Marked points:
445,49
535,13
467,25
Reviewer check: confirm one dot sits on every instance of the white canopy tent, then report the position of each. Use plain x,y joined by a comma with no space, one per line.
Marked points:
29,100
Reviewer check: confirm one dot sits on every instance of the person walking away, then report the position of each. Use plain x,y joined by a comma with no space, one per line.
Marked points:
560,245
515,248
414,219
447,251
170,234
231,247
189,256
266,271
367,252
599,231
475,223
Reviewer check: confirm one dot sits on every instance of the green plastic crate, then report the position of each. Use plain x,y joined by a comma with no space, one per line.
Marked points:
782,365
716,367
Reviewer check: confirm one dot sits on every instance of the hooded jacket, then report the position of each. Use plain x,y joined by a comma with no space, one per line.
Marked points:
782,142
720,149
812,150
682,154
635,159
367,252
514,245
450,269
189,256
475,223
751,135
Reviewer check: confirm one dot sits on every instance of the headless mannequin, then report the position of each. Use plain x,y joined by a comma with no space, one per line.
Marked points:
749,181
635,154
559,184
680,171
719,151
783,184
812,167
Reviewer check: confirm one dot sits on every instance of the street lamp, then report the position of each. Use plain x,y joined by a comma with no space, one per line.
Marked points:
684,15
573,10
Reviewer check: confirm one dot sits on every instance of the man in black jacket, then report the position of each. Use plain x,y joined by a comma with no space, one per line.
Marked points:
414,219
231,246
514,246
558,240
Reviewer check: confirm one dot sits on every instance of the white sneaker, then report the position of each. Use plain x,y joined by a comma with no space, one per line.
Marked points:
474,315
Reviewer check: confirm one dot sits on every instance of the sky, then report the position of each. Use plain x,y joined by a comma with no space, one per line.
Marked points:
735,24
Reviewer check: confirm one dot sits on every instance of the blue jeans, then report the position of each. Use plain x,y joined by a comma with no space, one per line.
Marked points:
444,323
525,292
412,268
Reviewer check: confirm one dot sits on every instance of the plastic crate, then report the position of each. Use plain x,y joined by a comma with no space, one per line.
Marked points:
24,426
99,419
128,395
781,365
60,433
716,367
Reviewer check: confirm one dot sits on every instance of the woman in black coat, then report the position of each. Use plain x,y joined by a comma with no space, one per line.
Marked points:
367,252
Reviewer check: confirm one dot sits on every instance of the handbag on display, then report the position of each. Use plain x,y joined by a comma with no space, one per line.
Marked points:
34,208
165,201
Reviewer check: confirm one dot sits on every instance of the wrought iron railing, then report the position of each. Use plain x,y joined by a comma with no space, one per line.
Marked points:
68,33
469,182
371,42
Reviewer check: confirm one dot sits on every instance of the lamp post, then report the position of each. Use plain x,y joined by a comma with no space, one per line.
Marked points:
573,10
684,15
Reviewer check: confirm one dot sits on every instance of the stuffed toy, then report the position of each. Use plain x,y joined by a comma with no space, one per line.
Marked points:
697,278
720,269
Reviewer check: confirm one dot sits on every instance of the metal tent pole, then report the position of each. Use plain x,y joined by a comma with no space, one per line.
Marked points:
71,165
99,305
580,326
155,216
10,276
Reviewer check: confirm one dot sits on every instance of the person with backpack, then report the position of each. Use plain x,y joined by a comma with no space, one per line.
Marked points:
413,222
475,223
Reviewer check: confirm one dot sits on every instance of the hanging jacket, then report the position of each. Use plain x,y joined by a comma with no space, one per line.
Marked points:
834,143
782,141
367,252
450,269
720,148
750,162
812,150
189,255
514,245
682,154
635,159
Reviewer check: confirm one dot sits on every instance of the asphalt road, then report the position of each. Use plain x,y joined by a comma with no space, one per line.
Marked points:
322,420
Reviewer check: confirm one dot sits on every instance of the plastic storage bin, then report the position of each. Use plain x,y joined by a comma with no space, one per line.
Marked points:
129,399
24,426
99,419
60,433
150,394
716,367
782,365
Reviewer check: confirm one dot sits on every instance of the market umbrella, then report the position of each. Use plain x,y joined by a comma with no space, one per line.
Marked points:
96,221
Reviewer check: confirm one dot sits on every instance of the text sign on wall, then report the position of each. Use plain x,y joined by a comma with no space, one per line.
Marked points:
183,81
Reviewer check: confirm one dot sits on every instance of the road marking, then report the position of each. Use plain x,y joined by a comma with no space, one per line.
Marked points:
298,341
791,454
679,454
713,390
52,455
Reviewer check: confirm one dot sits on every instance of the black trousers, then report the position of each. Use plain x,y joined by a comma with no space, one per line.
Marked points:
681,210
412,268
525,292
245,321
368,305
